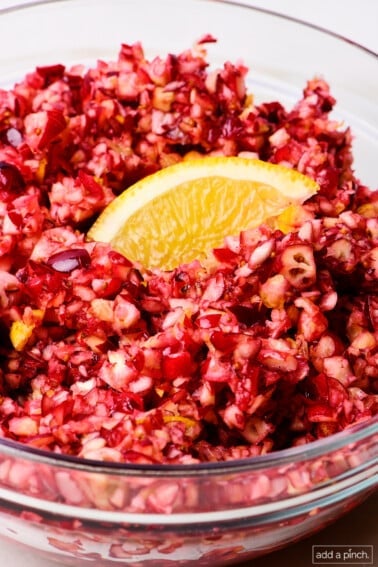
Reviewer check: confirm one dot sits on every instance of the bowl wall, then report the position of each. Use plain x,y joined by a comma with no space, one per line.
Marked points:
281,54
76,512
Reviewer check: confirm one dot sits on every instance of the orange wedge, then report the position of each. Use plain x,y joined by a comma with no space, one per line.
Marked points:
183,211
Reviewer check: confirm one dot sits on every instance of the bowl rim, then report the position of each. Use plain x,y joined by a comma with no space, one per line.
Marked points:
350,435
320,448
293,19
237,3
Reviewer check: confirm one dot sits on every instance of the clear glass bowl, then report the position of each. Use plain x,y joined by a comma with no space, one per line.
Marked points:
75,511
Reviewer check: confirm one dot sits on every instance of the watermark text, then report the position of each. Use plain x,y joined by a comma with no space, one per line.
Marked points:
342,555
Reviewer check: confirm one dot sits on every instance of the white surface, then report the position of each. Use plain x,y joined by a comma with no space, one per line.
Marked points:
356,20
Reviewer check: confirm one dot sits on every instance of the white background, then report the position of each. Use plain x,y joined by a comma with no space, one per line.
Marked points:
358,21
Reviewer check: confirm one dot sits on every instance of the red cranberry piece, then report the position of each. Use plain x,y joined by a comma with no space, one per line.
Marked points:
177,364
69,260
55,124
51,73
224,342
119,260
16,218
225,255
91,185
11,179
248,315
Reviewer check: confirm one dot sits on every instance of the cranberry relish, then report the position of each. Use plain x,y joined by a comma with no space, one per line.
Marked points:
270,343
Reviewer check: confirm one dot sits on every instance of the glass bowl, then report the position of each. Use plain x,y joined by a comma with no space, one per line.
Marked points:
76,511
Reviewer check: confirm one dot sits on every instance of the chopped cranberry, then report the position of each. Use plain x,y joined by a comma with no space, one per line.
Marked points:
11,179
178,364
268,343
54,125
69,260
51,73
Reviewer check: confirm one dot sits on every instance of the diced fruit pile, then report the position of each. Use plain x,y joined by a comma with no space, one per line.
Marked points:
270,342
